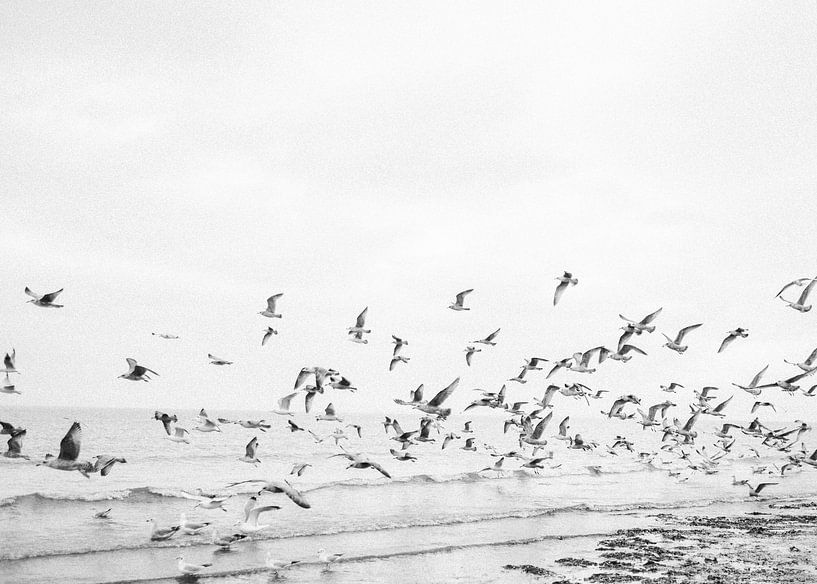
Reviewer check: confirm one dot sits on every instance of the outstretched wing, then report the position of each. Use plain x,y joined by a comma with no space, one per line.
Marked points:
461,296
271,301
51,297
361,318
444,394
69,446
651,317
557,295
683,332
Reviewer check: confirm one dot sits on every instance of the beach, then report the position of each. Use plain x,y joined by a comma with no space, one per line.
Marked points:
440,519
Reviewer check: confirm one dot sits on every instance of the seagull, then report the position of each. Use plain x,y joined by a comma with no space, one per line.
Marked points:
416,398
206,501
563,364
69,453
731,336
469,445
208,425
787,384
15,444
249,453
489,340
458,304
320,375
165,336
328,558
8,386
564,281
800,305
104,463
299,468
293,427
165,419
329,415
496,468
276,564
359,462
467,428
469,353
676,345
758,404
217,360
282,408
360,323
136,372
752,387
186,568
44,300
267,334
433,407
808,364
269,311
279,487
755,491
397,359
520,377
178,435
797,282
103,514
250,523
357,428
191,527
7,428
225,541
532,435
9,363
622,354
398,344
643,324
161,533
403,455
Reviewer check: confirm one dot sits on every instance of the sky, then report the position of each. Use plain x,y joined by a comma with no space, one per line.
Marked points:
171,165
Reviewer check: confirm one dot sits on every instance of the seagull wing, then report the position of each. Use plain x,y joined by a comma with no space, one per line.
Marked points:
51,296
756,378
563,427
308,399
131,364
725,343
283,403
651,317
252,516
32,293
444,394
69,446
540,427
361,318
721,406
806,291
252,446
330,410
461,296
683,332
560,289
272,300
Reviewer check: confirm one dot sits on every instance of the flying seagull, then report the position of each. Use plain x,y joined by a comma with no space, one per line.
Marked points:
565,280
267,334
458,304
279,487
489,340
69,453
44,300
731,336
217,360
269,311
676,345
136,372
643,324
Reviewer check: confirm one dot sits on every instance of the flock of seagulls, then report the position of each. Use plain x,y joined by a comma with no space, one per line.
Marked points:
678,451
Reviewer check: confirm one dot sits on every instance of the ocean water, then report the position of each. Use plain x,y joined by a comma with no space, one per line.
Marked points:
436,506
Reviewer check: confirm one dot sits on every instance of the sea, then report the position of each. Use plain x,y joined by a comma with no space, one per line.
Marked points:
441,518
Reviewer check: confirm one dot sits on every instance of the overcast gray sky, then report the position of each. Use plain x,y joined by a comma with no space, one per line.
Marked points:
172,165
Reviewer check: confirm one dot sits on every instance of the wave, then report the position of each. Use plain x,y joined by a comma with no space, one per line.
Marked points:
143,492
427,523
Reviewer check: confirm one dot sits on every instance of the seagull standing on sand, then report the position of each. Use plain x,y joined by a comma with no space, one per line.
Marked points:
565,280
225,541
269,311
458,304
186,568
161,533
328,558
44,300
275,564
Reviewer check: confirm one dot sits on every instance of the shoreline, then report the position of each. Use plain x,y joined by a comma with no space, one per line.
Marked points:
574,547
